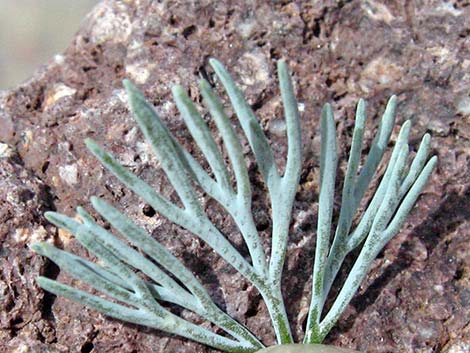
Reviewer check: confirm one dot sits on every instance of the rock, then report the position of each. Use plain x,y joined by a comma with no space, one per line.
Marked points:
416,297
306,348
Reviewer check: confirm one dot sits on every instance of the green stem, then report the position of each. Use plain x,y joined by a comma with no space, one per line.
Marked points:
272,297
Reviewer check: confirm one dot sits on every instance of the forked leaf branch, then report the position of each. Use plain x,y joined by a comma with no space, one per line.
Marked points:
133,299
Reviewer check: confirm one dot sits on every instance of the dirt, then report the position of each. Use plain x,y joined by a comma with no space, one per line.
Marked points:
416,297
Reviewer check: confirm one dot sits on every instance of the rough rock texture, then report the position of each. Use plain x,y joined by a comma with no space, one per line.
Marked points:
417,296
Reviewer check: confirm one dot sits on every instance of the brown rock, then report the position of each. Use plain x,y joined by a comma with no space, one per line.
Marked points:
417,296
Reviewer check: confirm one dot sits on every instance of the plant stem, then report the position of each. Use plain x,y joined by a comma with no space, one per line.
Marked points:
275,304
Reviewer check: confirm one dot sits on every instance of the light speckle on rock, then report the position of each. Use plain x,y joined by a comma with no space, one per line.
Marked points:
139,72
246,27
21,234
463,104
166,107
458,347
57,92
447,7
377,11
27,137
5,150
69,173
380,71
25,235
64,236
277,127
256,68
439,52
23,348
131,134
144,151
121,95
111,24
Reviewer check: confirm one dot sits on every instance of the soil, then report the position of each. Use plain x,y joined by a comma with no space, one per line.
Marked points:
416,297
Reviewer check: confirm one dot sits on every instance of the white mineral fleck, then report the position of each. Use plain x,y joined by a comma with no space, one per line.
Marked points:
57,92
69,173
111,25
5,150
139,72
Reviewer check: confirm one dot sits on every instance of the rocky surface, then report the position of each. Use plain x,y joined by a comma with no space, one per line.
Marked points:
417,295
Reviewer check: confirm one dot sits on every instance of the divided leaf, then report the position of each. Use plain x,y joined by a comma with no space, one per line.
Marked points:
125,262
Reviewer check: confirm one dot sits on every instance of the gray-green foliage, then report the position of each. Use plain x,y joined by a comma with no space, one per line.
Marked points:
117,278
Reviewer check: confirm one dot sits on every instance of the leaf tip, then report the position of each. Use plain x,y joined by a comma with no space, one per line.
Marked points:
214,62
90,144
37,247
50,216
128,85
